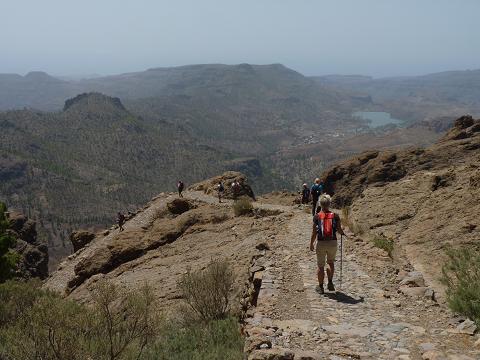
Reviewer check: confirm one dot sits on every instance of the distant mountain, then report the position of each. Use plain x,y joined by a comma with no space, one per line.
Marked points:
236,84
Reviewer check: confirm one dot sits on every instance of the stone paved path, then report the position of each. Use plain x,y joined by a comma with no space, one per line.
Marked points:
360,321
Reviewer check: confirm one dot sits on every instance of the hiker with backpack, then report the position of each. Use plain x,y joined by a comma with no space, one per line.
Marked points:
220,191
180,187
120,220
326,225
236,187
305,194
315,192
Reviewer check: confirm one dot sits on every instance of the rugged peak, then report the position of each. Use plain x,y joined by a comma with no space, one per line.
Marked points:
93,100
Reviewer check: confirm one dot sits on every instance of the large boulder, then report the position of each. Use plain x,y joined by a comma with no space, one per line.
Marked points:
81,238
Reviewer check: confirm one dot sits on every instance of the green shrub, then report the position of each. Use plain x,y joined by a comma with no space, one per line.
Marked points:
384,243
118,326
242,206
8,258
207,292
216,340
16,298
39,324
461,275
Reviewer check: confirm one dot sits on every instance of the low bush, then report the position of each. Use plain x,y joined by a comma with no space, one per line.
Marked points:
243,206
461,275
216,340
207,292
383,243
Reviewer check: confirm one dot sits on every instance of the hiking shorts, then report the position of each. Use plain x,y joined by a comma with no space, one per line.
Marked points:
326,250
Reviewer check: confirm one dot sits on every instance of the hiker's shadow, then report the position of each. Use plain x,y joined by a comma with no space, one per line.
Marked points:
344,298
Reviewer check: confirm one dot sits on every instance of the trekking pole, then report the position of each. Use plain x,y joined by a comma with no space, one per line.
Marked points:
341,260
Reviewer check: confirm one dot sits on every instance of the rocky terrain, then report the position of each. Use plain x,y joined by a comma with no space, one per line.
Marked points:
33,262
423,199
384,308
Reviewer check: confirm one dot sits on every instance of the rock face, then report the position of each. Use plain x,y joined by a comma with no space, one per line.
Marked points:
80,238
410,195
34,252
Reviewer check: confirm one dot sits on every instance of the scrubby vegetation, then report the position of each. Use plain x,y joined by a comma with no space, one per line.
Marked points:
8,258
242,206
38,324
207,292
383,243
461,275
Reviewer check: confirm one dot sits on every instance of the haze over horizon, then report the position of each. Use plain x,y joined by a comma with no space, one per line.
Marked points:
372,37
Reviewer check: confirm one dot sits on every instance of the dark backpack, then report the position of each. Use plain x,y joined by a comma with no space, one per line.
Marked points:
316,190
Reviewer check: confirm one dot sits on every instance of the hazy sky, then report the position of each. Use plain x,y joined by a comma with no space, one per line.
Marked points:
374,37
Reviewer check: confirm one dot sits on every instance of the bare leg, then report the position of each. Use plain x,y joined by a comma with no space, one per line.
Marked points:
320,275
330,271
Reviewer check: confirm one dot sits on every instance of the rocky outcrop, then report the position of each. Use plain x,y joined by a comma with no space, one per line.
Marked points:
80,238
348,179
93,98
209,186
33,251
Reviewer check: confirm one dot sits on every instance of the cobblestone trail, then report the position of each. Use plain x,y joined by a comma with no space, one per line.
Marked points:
364,319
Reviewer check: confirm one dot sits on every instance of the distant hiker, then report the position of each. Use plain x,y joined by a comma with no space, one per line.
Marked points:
305,194
326,224
120,220
180,187
236,187
315,192
220,191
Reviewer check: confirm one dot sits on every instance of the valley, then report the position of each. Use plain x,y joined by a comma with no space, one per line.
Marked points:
73,163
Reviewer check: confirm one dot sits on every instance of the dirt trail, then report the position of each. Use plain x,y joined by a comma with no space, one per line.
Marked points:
363,320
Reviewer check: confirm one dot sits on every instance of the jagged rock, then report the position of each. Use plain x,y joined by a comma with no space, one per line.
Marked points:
23,227
413,278
179,206
80,238
466,327
417,292
33,251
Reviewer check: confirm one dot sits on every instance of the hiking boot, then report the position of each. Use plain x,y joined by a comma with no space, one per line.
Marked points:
330,286
319,289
